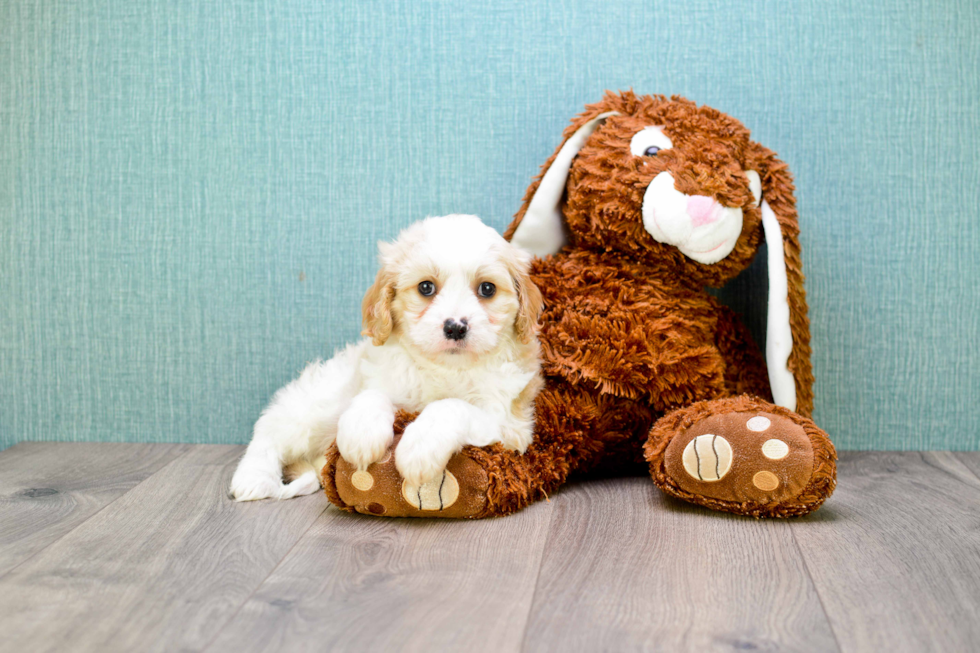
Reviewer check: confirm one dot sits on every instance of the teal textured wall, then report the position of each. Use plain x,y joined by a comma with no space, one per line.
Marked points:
190,191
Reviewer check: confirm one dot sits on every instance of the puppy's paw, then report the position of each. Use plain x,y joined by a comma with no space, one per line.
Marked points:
252,485
306,483
363,436
425,449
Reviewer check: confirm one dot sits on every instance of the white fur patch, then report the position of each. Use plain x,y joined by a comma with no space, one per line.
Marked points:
465,389
666,216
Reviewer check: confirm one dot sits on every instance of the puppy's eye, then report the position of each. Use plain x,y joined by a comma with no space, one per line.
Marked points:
651,151
486,290
427,289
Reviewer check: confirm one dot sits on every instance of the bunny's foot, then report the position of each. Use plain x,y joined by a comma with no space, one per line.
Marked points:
461,491
742,455
477,482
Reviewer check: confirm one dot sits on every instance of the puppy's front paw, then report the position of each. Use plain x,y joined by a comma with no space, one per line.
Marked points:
251,485
381,490
364,436
425,449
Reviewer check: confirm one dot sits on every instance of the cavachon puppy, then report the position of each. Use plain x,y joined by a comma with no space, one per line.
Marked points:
451,324
647,201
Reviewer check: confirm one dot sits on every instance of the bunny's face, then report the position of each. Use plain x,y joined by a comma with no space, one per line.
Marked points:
683,191
670,183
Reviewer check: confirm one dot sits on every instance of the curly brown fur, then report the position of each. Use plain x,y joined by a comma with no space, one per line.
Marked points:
328,478
577,430
637,330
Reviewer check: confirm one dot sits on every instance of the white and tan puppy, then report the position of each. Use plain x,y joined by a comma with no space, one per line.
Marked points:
451,322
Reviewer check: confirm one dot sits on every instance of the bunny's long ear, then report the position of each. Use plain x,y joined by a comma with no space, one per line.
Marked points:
788,327
538,227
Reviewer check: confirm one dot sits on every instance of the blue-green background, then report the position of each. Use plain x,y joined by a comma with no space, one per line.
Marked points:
190,191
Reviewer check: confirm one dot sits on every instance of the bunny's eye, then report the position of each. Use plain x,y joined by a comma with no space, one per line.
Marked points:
649,141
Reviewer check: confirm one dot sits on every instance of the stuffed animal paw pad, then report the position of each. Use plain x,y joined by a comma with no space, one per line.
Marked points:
460,491
437,494
741,457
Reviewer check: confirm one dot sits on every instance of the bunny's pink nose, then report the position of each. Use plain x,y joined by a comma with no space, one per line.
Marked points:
703,210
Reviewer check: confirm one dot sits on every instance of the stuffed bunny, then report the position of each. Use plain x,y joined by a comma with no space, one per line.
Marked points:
646,202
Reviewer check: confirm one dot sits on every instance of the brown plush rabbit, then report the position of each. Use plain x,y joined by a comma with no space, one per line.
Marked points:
647,201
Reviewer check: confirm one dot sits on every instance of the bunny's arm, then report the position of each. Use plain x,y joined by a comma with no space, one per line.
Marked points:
627,334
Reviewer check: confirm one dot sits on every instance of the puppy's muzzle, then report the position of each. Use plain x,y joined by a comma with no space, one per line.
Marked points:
454,330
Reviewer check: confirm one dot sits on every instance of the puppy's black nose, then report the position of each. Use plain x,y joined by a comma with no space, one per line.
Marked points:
454,330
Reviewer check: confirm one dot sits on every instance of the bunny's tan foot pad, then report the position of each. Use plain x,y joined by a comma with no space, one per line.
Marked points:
744,456
379,490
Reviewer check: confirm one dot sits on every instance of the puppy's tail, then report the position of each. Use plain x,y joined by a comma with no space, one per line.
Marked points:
259,476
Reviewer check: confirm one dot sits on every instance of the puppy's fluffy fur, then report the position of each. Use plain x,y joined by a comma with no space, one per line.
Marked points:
476,387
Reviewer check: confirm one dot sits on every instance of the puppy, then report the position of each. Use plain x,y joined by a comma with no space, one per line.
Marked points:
451,322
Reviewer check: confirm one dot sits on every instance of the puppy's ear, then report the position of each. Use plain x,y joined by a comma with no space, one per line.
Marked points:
538,226
530,302
376,316
788,327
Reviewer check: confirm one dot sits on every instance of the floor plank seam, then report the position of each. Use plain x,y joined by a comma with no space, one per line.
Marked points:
87,519
537,577
259,585
816,590
975,473
954,455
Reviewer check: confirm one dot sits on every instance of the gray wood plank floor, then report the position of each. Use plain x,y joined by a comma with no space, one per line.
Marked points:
49,488
631,568
116,547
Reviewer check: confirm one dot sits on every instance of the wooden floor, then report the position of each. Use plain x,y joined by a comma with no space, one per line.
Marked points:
130,547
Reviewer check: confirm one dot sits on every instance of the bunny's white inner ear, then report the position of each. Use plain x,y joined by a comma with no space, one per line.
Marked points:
779,336
755,185
541,232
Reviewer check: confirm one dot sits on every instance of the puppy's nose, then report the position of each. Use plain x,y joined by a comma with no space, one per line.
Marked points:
454,330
